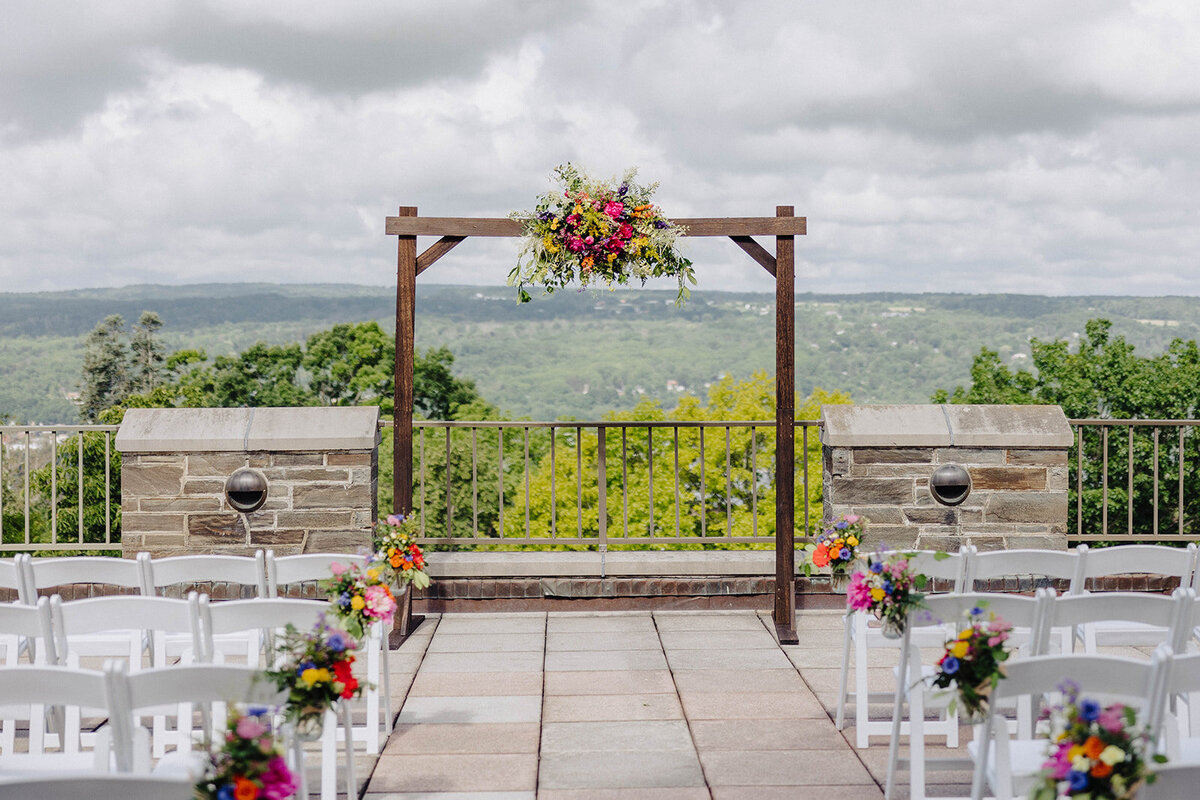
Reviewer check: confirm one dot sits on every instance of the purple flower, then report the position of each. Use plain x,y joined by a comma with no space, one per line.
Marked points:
950,665
841,525
844,554
1089,710
976,611
660,224
876,566
1078,781
623,190
225,792
337,643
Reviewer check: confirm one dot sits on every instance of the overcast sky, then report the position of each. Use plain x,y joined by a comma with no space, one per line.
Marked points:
934,146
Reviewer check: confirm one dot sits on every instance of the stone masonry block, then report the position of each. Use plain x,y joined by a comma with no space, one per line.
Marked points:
1009,478
946,543
1027,542
1047,507
837,460
216,529
275,536
897,537
1038,458
893,455
878,515
316,520
912,471
875,491
336,541
298,459
307,474
968,455
204,486
348,459
141,522
325,497
1057,479
939,515
181,504
152,480
214,465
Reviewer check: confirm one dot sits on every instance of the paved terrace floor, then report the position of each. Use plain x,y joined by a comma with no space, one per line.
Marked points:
656,705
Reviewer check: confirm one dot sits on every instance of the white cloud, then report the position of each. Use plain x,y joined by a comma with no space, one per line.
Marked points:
1030,148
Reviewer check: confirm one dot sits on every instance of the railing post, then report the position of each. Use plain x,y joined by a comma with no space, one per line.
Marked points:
602,486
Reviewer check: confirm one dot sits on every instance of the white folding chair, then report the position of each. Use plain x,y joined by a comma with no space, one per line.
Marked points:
1024,570
1129,559
27,693
210,686
864,636
1008,766
272,615
97,787
1157,617
1172,782
113,626
914,678
30,624
125,573
290,570
12,577
1181,728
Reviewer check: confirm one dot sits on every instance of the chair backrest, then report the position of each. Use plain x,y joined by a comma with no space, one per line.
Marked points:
1126,559
122,612
1157,610
941,566
12,576
127,573
177,570
1106,676
264,614
1017,610
284,570
197,683
1059,564
32,622
97,787
26,691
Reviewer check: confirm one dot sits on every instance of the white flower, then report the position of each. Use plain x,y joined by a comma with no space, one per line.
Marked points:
1112,755
1081,763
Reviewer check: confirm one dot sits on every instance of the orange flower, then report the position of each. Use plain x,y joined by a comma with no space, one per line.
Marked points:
1093,747
1101,770
395,562
244,789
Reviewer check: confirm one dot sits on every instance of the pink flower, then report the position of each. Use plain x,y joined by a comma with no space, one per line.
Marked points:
394,519
614,209
858,594
380,603
851,518
575,244
337,568
250,728
1112,719
625,231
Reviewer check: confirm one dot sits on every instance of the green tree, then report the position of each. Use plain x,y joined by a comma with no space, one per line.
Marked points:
351,364
146,354
436,392
105,368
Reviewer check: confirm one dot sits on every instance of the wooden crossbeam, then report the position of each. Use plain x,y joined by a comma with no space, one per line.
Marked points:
437,250
700,226
757,252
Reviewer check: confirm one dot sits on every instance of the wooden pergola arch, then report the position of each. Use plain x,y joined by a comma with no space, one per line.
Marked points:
784,226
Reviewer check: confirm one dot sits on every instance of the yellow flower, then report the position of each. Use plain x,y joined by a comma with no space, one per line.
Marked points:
965,634
877,594
852,541
373,574
959,649
1112,755
357,602
312,676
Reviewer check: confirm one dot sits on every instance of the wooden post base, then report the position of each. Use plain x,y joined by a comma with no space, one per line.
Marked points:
405,622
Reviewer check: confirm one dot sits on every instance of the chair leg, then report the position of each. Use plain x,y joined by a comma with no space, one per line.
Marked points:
371,732
843,675
389,720
351,780
329,757
862,694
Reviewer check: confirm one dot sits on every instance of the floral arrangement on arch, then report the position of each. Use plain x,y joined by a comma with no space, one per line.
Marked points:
249,764
359,597
837,546
316,669
1097,752
887,588
590,230
397,549
973,662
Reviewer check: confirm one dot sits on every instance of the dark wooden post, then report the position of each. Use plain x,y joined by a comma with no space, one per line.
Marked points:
785,434
406,304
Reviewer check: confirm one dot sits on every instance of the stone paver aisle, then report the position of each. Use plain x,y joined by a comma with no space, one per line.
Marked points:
565,706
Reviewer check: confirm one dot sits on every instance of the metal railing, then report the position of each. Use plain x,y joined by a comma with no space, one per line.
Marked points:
603,483
59,489
1133,481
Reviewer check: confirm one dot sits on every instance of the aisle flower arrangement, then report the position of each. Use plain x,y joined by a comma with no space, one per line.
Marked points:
837,546
1096,752
973,662
589,230
887,588
316,669
248,765
359,597
397,549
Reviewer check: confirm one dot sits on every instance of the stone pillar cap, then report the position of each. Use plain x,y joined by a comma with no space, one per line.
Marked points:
945,426
207,430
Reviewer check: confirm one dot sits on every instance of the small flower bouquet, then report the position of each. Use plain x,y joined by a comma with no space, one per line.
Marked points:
359,597
316,670
589,230
973,662
396,547
888,588
837,546
1096,752
249,764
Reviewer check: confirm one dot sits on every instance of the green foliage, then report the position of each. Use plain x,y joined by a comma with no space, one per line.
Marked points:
58,487
105,368
351,364
146,353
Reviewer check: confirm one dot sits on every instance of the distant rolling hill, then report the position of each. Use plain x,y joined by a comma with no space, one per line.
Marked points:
580,354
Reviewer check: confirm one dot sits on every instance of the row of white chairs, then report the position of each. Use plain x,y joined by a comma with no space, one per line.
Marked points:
264,572
969,568
122,698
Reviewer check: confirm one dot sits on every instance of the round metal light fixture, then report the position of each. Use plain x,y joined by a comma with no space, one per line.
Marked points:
246,490
950,484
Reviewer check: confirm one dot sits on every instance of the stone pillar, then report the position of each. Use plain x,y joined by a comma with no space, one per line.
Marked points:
878,460
321,466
